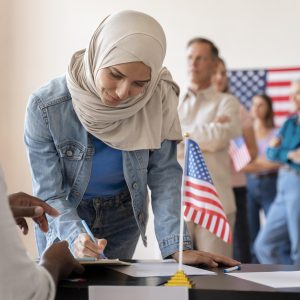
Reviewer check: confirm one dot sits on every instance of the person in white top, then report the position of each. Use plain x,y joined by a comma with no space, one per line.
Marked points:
241,237
201,113
21,277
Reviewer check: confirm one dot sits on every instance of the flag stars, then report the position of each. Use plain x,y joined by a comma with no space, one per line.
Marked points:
196,166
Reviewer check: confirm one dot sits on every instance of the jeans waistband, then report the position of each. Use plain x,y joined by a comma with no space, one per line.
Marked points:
123,196
263,175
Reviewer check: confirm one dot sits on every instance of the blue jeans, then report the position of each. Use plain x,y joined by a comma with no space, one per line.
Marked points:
261,194
112,218
279,240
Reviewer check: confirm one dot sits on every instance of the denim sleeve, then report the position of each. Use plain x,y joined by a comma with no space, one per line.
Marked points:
47,176
277,154
280,153
164,180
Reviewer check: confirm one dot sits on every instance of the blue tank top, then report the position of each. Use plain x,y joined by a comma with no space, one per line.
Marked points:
107,177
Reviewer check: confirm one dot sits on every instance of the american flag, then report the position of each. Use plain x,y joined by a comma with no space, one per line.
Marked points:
244,84
239,153
200,198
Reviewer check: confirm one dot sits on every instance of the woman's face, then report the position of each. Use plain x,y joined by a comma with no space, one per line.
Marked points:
219,79
295,95
117,83
259,108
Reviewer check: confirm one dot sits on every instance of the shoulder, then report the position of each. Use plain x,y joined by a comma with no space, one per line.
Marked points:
53,92
227,100
184,95
291,120
245,117
230,98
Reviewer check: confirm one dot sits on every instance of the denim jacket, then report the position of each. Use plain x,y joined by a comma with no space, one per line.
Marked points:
60,152
289,135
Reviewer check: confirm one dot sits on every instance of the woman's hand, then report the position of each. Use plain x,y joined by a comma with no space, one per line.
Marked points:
275,142
85,247
196,257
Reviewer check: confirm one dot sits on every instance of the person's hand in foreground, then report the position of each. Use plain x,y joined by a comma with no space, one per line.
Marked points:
24,205
59,261
85,247
196,257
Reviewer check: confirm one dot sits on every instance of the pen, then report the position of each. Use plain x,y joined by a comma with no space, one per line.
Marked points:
228,270
86,227
84,259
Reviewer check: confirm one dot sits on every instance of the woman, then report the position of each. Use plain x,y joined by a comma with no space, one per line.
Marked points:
241,240
262,173
278,242
99,136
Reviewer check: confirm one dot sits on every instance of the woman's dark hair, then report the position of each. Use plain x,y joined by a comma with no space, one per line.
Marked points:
222,61
269,118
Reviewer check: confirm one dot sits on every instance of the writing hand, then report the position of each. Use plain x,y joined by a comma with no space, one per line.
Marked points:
85,247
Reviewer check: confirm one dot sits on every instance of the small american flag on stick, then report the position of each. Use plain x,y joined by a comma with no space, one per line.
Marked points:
239,153
200,198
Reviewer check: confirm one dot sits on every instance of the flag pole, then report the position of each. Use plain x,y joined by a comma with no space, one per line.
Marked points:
181,207
180,278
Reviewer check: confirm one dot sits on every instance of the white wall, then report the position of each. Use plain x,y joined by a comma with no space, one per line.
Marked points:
38,37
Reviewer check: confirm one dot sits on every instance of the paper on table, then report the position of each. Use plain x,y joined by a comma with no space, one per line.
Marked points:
115,262
278,279
156,269
138,292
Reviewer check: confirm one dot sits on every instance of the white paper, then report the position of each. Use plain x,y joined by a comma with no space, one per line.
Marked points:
137,292
280,279
115,262
156,269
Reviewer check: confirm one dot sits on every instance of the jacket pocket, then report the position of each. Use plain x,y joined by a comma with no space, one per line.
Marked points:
71,150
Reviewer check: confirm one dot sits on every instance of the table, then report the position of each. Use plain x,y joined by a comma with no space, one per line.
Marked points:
220,287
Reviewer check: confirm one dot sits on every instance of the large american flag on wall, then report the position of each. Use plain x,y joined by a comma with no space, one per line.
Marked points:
244,84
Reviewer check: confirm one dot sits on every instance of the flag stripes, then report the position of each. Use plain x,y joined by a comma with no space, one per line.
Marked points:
200,198
275,82
239,153
215,224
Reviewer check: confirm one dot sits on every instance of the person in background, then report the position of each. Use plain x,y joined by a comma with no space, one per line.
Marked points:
241,238
261,173
211,119
21,277
98,137
279,240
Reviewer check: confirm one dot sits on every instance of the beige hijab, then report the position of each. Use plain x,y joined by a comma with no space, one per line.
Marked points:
141,122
